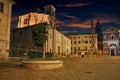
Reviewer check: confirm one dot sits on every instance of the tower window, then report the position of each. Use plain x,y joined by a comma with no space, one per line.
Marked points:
112,29
47,12
25,21
1,7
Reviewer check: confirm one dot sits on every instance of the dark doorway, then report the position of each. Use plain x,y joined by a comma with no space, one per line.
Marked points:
112,52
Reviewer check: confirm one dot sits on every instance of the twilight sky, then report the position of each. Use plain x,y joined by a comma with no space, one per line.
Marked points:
73,16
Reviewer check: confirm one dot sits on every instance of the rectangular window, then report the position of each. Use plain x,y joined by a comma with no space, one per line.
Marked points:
25,21
78,42
74,42
74,48
90,41
1,7
85,48
85,36
86,42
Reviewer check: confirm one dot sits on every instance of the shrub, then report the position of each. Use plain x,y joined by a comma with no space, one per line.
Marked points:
48,55
34,55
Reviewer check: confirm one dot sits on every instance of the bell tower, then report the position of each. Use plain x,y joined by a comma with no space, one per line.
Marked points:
49,9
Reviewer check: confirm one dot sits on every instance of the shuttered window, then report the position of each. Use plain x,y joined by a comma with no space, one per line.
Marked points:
1,7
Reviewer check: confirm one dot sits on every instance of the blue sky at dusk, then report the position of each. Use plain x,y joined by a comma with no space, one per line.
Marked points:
73,16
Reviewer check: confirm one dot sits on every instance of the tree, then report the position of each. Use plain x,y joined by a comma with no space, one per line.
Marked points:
39,36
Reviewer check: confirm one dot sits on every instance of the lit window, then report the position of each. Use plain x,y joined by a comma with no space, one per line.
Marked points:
1,6
25,21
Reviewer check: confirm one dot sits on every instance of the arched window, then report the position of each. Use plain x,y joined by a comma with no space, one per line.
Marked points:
112,37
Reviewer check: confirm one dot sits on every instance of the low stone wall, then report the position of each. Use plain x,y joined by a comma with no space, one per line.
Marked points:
17,59
38,65
115,57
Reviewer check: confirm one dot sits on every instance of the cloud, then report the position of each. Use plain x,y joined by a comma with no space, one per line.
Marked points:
76,4
74,23
105,18
73,17
60,23
68,16
14,18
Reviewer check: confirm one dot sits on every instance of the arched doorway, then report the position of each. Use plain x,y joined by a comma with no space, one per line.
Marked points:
113,50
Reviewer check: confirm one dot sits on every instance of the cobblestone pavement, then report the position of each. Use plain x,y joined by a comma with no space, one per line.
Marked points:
73,69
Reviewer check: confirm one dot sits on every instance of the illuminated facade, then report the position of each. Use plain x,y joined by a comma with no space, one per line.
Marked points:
82,43
111,41
5,19
56,42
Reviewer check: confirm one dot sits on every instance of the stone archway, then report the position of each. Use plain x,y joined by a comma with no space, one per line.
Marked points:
113,50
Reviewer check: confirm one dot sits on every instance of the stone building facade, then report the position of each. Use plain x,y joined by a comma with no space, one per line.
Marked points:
111,41
56,42
5,19
81,44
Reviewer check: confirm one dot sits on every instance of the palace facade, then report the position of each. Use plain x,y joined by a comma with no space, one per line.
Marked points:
82,43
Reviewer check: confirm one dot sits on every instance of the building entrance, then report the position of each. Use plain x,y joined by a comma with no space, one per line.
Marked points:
113,50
